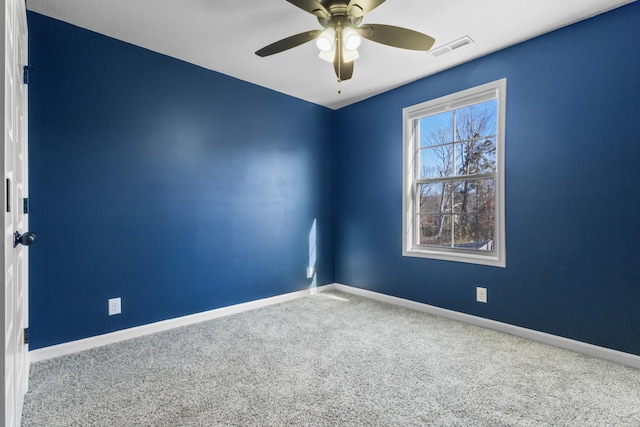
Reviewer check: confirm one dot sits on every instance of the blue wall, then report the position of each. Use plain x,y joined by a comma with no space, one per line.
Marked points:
174,187
573,199
183,190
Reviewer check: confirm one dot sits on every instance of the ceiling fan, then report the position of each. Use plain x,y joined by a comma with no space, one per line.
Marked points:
341,37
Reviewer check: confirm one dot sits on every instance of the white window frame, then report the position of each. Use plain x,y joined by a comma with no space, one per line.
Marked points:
411,142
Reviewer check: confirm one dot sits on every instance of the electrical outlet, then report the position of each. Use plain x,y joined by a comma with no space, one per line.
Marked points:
481,295
115,306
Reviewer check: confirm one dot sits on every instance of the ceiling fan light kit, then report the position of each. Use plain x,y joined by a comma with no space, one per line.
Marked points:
328,55
326,40
330,38
341,37
350,55
351,38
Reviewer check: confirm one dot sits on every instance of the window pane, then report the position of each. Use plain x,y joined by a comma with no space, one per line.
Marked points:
435,230
472,224
471,232
436,198
469,196
476,121
474,232
474,196
436,162
475,156
472,127
436,129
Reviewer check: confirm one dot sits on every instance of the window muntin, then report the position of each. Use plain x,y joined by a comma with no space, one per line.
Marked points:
454,177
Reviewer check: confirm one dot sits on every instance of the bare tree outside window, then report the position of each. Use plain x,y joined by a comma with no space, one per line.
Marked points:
457,183
453,165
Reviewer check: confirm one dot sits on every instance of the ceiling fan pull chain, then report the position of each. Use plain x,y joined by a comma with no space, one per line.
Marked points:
339,53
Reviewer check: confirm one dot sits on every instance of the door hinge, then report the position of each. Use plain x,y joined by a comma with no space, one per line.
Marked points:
25,205
26,335
8,194
26,70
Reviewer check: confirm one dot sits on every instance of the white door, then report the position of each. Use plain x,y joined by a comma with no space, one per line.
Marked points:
15,259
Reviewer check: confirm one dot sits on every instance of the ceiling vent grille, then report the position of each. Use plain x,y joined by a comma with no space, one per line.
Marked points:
456,44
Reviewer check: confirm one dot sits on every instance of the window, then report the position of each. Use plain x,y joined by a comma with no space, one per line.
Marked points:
453,193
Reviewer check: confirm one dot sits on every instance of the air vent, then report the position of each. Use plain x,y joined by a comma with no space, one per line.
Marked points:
456,44
440,51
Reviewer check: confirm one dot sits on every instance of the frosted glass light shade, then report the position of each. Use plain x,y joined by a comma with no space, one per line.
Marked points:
351,38
326,40
329,54
350,55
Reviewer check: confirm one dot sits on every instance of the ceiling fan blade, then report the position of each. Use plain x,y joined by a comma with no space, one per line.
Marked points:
344,70
357,8
396,36
288,43
311,6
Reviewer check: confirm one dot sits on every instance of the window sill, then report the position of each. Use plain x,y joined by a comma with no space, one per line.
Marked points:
491,259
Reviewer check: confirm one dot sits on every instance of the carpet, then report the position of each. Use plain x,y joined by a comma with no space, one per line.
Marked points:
331,359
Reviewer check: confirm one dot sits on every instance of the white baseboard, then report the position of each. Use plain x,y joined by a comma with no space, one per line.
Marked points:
151,328
126,334
554,340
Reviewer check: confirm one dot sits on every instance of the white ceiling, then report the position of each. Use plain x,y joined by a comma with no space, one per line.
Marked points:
222,35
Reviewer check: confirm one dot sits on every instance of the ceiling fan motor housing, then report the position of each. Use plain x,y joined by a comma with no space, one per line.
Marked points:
340,16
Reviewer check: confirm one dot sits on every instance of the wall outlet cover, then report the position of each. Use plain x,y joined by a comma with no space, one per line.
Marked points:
115,306
481,295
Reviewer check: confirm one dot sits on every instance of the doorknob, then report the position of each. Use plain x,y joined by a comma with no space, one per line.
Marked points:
24,239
